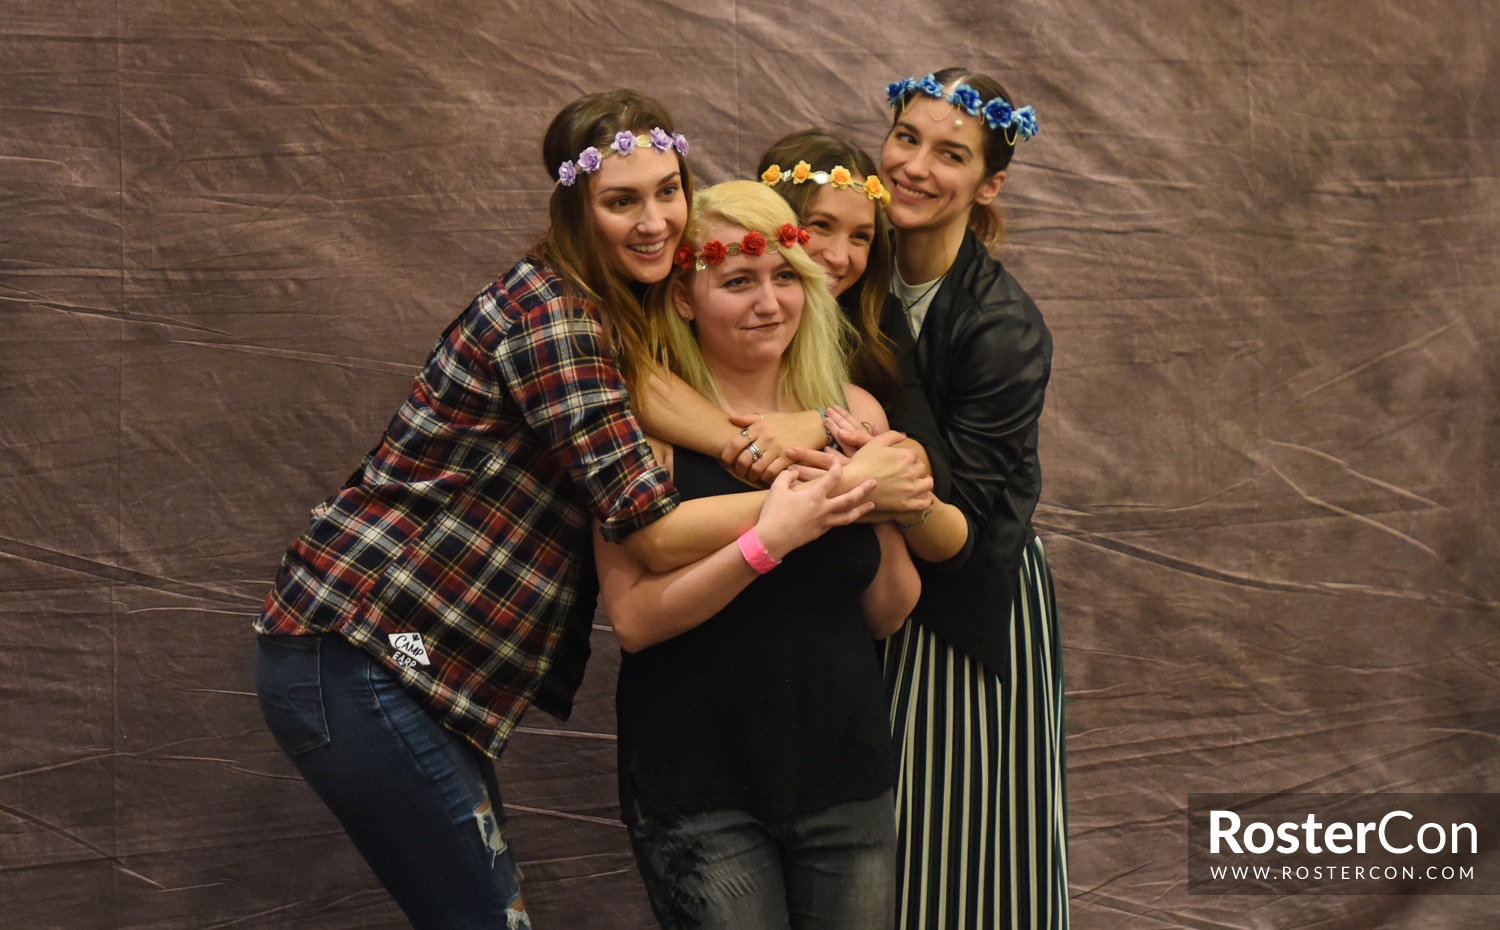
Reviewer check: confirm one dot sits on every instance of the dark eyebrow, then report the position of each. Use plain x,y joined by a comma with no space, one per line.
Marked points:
666,179
951,146
824,214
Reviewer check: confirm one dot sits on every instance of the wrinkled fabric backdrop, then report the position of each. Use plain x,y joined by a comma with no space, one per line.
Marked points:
1264,235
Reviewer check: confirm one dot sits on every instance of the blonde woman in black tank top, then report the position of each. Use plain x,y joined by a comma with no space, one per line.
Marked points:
755,759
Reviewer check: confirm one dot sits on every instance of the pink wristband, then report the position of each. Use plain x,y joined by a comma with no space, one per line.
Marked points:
755,552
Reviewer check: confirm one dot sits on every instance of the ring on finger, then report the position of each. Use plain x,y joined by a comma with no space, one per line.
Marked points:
745,432
755,452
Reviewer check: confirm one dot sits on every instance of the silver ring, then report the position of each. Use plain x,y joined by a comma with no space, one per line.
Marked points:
745,432
755,452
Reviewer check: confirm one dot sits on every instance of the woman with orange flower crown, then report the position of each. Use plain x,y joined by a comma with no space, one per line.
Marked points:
831,184
975,676
442,590
755,756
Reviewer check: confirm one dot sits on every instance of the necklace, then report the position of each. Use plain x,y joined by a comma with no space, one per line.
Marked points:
908,303
914,303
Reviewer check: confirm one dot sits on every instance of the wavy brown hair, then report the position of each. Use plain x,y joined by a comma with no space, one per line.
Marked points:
874,365
572,245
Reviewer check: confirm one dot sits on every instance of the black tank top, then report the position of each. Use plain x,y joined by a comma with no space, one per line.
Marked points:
775,705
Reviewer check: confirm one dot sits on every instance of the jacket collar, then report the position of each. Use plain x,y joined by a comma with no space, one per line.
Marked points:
937,328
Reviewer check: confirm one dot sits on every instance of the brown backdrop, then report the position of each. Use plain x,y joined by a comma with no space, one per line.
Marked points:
1264,235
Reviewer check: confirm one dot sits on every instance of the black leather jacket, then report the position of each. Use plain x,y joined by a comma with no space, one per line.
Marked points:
982,361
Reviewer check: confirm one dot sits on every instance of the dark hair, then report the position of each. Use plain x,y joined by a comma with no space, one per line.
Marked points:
572,246
984,219
873,366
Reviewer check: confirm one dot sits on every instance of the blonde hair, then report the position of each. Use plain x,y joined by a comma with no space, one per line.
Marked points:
815,366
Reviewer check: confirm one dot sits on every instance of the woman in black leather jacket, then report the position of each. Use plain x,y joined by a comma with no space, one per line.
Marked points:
976,674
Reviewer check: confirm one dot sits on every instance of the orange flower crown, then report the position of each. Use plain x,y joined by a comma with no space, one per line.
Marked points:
754,243
837,176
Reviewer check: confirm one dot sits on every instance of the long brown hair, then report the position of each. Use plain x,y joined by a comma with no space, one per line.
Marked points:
984,219
874,365
572,245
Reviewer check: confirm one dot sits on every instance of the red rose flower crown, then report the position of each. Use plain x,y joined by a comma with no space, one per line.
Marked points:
713,251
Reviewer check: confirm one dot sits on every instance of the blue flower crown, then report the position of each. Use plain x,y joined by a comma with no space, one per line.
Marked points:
998,114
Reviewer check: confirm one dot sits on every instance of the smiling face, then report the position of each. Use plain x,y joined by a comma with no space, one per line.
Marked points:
746,309
640,211
934,166
841,223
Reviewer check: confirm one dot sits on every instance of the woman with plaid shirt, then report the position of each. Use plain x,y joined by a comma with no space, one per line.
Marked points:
446,587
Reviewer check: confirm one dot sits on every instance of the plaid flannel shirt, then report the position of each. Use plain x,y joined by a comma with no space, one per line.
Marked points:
469,525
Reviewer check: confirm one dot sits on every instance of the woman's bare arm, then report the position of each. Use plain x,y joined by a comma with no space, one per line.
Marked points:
694,529
669,407
646,607
934,535
890,597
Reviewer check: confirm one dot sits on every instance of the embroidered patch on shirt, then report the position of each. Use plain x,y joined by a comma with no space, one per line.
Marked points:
409,650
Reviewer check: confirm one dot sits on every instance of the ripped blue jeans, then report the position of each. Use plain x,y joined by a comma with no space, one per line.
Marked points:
420,803
832,869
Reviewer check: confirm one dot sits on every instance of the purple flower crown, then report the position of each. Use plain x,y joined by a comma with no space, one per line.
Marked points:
591,158
998,114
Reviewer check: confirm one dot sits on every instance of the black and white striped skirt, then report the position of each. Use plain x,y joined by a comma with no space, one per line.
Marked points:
981,802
